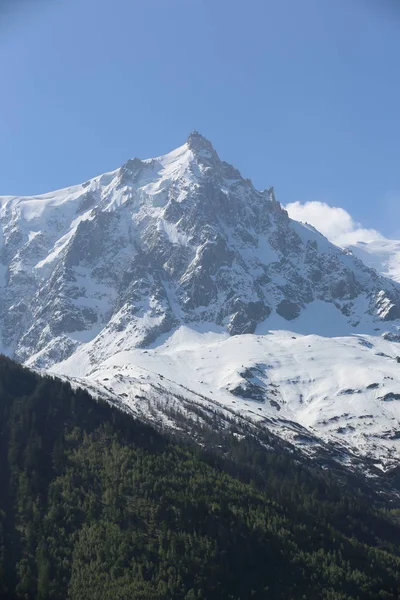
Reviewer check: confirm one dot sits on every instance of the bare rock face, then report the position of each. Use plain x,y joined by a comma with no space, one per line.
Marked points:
288,310
181,238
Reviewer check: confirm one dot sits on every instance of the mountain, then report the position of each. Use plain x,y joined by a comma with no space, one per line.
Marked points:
174,282
95,505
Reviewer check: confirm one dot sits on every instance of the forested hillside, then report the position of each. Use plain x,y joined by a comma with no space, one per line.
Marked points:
96,505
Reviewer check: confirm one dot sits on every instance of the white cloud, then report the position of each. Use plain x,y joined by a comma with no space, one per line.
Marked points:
333,222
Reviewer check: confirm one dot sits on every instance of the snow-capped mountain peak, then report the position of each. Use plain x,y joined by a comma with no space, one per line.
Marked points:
119,263
178,238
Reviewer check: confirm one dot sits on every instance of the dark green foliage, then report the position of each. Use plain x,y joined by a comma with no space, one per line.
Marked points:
95,505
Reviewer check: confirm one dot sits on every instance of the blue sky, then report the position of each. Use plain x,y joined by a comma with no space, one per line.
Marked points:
302,95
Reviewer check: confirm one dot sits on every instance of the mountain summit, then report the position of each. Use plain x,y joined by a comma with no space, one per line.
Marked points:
198,143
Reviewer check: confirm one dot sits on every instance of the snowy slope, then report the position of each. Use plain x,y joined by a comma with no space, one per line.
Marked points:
345,390
381,255
167,276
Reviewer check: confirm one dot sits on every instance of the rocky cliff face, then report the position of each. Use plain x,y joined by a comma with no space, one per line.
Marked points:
182,238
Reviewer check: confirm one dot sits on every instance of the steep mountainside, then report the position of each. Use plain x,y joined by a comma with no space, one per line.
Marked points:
94,505
113,272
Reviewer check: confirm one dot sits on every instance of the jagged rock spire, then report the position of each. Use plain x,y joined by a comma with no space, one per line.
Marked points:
271,193
197,142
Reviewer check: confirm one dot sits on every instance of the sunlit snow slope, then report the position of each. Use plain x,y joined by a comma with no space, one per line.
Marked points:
381,255
345,389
